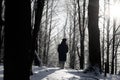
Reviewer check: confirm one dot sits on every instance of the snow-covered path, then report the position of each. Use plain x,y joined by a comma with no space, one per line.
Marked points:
53,74
45,73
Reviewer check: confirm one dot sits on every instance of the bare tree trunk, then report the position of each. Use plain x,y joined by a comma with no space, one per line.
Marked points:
38,16
103,40
17,58
64,33
82,33
72,56
79,22
113,48
45,55
1,23
40,50
50,28
83,36
108,44
94,34
116,55
37,26
70,41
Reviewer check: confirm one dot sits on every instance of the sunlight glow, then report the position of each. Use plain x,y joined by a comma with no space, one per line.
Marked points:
115,11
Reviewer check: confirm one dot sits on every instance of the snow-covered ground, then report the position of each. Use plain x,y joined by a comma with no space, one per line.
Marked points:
1,72
44,73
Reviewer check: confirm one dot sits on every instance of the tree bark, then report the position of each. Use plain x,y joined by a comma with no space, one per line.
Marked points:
72,56
113,49
1,23
103,39
45,55
108,43
50,28
37,26
17,58
83,37
94,34
70,41
116,51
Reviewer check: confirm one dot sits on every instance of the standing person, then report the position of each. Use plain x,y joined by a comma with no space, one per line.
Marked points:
62,52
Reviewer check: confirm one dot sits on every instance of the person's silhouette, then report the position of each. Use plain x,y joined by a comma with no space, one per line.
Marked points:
62,50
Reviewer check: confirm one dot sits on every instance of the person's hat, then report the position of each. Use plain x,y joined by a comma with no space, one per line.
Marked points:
64,39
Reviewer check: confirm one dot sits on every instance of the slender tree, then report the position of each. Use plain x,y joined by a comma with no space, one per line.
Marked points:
108,43
72,55
45,55
103,37
79,22
1,24
116,51
37,26
38,16
50,27
70,40
1,21
82,36
113,48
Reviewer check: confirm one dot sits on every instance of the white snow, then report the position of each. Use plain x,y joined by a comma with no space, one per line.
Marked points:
1,72
45,73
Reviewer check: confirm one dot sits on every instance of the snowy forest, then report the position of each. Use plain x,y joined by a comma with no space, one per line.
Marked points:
31,30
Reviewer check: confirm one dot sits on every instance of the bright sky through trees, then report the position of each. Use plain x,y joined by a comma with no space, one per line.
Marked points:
115,10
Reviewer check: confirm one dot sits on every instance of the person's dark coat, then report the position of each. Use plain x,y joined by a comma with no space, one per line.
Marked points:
62,50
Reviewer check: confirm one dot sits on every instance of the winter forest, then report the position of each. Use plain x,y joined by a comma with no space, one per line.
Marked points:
31,30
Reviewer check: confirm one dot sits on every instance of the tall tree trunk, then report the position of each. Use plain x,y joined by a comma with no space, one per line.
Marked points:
50,28
17,58
64,28
113,49
108,44
116,51
40,44
37,27
72,56
94,34
38,16
83,36
45,55
70,41
1,23
103,39
79,22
